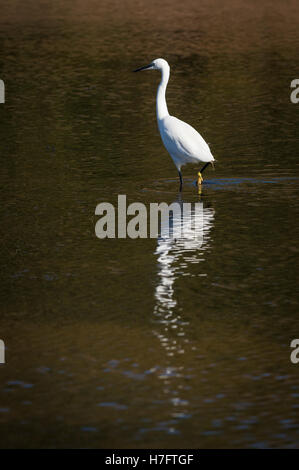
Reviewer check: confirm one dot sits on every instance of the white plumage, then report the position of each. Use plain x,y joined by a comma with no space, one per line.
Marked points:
182,141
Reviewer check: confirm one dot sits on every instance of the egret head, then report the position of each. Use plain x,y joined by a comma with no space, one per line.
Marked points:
157,64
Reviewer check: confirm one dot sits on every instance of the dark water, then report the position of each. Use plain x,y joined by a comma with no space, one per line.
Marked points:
148,343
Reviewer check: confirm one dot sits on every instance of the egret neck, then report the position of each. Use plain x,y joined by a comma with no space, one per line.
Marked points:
162,110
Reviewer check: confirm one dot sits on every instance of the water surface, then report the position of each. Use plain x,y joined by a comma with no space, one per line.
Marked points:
148,342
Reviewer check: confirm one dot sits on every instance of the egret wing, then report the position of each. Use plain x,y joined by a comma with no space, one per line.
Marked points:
182,140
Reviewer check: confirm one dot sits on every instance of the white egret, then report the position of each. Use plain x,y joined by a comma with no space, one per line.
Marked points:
183,142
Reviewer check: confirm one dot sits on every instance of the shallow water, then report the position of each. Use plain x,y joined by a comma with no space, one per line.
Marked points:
148,342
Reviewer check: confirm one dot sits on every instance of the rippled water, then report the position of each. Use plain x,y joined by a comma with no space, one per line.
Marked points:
148,342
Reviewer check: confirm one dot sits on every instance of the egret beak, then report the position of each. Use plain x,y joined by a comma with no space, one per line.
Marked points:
149,66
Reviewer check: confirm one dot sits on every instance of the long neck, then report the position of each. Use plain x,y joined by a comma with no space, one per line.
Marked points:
161,105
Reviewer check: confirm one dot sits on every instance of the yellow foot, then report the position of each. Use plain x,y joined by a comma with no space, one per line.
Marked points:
200,179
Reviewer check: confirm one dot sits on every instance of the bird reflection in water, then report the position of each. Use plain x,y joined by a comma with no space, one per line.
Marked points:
176,251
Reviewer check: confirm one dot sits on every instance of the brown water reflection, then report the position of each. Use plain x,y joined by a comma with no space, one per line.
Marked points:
148,343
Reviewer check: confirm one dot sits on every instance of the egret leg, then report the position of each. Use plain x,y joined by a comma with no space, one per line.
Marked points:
200,178
181,180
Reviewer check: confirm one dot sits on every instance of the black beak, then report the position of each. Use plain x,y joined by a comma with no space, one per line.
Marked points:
143,68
